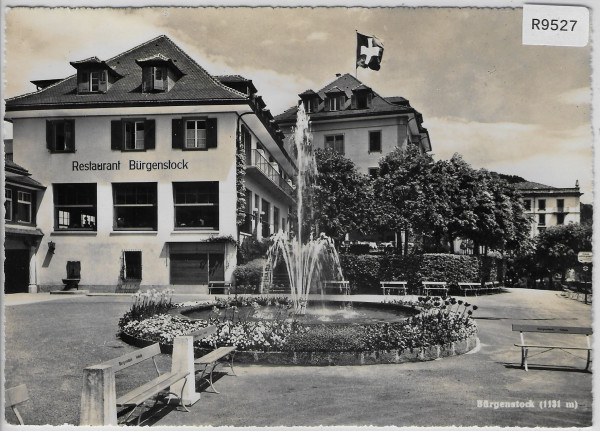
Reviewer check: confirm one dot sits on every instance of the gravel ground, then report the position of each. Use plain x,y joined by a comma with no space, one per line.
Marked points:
48,343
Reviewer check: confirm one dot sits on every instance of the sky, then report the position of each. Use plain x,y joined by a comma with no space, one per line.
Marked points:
510,108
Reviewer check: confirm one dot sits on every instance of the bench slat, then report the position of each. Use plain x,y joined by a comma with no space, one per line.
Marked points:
215,355
553,347
153,387
553,329
133,358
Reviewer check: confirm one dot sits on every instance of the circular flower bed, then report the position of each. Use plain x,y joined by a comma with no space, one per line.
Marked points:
441,328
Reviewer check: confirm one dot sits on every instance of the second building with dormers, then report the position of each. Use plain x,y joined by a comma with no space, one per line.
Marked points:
139,157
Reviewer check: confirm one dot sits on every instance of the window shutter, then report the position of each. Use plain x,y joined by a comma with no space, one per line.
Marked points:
353,101
83,78
211,133
70,125
177,133
116,135
146,79
369,99
149,135
103,84
326,104
49,135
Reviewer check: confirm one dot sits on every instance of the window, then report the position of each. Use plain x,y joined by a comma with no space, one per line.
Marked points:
311,105
248,220
363,100
560,219
247,144
196,205
335,143
194,133
527,204
132,265
24,207
275,219
154,78
336,103
375,141
92,81
283,224
542,219
374,172
60,136
256,210
560,205
8,205
75,206
135,206
132,134
542,204
266,218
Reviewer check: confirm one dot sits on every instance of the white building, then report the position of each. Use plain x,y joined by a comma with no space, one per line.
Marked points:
351,118
549,206
153,169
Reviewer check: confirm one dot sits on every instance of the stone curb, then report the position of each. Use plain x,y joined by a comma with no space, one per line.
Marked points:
332,358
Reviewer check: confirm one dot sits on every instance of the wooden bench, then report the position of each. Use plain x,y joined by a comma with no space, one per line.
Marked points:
434,285
224,286
566,330
14,396
492,286
398,286
209,362
152,389
471,287
340,286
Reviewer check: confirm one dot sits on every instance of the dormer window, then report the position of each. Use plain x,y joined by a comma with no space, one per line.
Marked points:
311,105
92,81
362,97
159,73
336,102
155,79
94,75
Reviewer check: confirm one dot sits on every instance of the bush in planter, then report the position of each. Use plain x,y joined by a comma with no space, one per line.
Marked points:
248,274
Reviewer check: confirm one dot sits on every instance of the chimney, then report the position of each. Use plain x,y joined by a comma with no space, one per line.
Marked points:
338,75
576,183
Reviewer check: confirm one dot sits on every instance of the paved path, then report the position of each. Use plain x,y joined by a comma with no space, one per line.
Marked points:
49,343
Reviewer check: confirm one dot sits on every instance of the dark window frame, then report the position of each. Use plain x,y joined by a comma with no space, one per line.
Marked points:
135,191
119,134
62,130
335,142
206,189
8,204
542,204
72,199
178,131
372,134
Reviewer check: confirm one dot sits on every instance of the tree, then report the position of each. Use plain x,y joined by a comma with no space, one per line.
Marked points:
557,247
342,196
411,194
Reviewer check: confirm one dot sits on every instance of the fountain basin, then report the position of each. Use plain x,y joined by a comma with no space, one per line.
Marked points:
319,312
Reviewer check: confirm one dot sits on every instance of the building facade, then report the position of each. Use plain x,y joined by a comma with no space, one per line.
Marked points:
154,169
549,206
349,117
22,237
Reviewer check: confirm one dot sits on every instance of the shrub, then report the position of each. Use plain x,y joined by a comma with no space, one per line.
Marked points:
251,249
366,271
249,274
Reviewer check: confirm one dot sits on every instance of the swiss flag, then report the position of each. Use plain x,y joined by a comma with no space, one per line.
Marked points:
369,51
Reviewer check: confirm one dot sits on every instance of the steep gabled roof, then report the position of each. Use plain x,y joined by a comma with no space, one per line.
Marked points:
195,86
347,83
17,174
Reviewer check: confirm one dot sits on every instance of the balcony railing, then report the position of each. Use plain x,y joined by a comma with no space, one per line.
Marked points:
261,162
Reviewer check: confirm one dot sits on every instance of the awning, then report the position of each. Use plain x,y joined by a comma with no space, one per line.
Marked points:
22,231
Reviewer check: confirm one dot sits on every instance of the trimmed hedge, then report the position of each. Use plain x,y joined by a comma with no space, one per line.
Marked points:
366,271
248,274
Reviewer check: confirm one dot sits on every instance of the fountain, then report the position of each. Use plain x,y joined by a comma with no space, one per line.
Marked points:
304,261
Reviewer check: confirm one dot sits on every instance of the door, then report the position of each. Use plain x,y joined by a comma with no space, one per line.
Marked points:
16,271
189,268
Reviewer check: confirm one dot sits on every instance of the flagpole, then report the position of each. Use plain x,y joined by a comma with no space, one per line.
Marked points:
356,62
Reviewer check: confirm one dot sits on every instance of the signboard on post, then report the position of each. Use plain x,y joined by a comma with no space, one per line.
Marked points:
584,257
